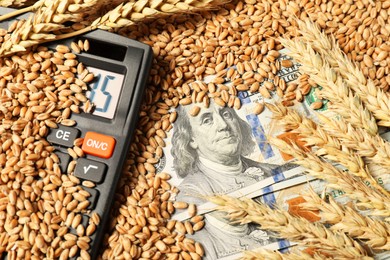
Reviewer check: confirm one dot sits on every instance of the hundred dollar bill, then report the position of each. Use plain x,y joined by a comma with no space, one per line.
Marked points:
225,151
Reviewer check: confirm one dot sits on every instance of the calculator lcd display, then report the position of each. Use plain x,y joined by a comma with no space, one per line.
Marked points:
105,91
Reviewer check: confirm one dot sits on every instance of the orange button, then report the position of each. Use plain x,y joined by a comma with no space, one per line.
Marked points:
98,145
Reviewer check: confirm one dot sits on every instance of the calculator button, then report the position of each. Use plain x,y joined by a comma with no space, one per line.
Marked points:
84,223
98,145
64,161
63,135
90,170
93,198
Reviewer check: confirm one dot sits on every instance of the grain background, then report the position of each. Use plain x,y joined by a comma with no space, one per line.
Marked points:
187,47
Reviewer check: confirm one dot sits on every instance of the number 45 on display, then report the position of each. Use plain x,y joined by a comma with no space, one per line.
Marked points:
105,91
100,94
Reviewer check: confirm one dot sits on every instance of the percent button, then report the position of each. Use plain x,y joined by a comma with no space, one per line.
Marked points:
98,145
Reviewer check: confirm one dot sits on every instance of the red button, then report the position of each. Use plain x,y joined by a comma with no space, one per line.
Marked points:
98,145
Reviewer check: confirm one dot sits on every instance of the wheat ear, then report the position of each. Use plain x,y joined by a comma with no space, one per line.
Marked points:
40,27
374,98
122,16
374,148
94,7
337,179
330,147
296,229
374,233
127,14
343,101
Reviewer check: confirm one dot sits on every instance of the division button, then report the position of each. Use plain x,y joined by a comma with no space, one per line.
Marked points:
64,160
98,145
63,135
90,170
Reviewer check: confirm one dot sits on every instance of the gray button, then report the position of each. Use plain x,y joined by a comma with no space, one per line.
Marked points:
93,198
63,135
64,160
90,170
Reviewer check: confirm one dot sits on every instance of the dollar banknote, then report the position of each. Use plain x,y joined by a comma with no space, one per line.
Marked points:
236,160
225,151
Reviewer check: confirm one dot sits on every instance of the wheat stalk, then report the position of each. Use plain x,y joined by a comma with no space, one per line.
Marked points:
330,147
122,16
16,3
20,3
264,254
374,148
374,233
374,98
296,229
343,101
337,179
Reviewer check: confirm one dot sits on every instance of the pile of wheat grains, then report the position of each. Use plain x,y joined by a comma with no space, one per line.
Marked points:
39,205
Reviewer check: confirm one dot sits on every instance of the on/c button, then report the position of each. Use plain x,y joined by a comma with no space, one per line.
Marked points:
98,145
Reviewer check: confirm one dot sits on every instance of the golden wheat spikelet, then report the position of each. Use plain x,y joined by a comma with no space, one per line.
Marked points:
40,27
329,146
374,98
334,88
374,233
296,229
354,188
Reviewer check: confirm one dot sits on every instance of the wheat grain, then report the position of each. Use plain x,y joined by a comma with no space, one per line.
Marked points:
295,229
333,88
330,147
374,99
374,233
354,188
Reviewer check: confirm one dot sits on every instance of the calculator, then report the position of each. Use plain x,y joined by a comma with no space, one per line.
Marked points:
121,67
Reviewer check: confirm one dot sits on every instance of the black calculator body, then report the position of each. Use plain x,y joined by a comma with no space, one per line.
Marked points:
121,67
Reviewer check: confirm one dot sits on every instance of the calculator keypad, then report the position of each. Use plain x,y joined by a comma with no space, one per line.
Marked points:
95,144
